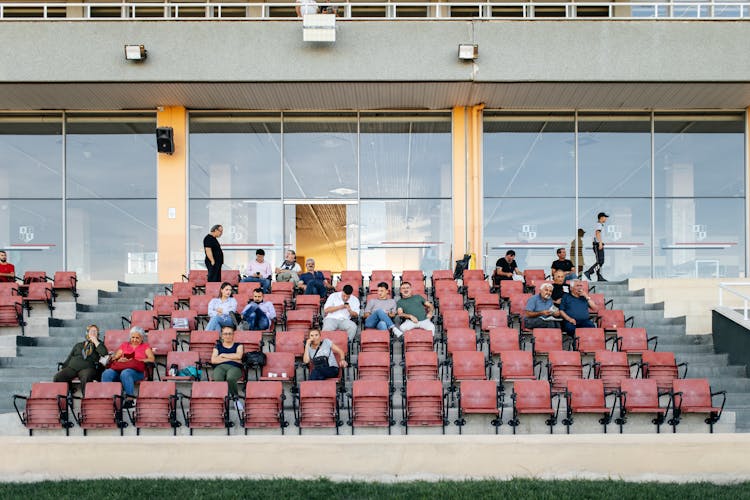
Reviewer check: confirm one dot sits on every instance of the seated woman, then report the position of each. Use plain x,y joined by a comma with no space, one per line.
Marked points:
129,364
221,309
227,360
321,353
83,360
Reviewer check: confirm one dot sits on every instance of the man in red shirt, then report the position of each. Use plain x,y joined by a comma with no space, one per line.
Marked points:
7,271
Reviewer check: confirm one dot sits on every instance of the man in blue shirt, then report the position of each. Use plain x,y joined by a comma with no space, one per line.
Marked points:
574,309
313,282
541,311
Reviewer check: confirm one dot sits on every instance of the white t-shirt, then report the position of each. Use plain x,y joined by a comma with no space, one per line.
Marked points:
599,227
335,299
307,7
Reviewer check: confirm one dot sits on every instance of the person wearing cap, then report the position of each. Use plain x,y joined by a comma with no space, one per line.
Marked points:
541,312
598,246
576,251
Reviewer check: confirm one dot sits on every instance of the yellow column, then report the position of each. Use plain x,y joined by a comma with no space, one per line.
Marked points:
171,197
747,189
460,149
474,174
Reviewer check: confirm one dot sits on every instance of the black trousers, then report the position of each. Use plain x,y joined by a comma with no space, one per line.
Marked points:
599,254
85,376
214,272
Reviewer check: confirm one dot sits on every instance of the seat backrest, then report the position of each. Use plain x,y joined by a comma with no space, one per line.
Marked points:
370,389
487,300
310,301
318,389
510,287
164,304
48,390
478,394
547,339
146,319
532,395
199,304
231,276
473,275
113,339
517,364
291,341
441,275
518,302
695,392
458,318
492,318
374,359
530,275
9,289
276,299
461,339
661,359
610,358
300,316
154,389
279,362
564,358
185,313
99,390
182,359
381,276
212,289
640,393
451,302
611,319
504,338
371,337
65,280
203,337
183,290
34,277
264,389
285,288
413,277
586,393
339,338
198,277
590,339
424,388
469,365
210,390
250,340
417,337
421,358
351,276
39,291
162,341
632,339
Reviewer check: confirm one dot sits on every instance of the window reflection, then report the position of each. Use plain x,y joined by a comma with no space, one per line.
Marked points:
30,156
32,231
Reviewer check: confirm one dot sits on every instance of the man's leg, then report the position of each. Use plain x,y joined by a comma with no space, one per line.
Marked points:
568,328
600,263
534,323
265,283
407,325
213,324
261,320
214,272
329,324
426,324
85,376
596,267
350,327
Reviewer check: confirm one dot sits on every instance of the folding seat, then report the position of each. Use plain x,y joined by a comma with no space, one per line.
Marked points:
612,368
244,299
479,397
490,319
190,318
442,288
424,405
162,341
247,287
352,277
264,406
198,277
212,289
374,366
662,367
456,319
340,338
283,288
278,301
517,365
371,340
379,277
279,367
441,275
508,288
451,302
635,340
533,278
146,319
640,396
101,407
163,306
39,292
113,339
587,396
328,276
309,302
474,275
65,280
486,302
418,339
209,406
370,404
533,397
11,311
199,304
474,288
203,342
468,365
303,319
413,276
695,396
600,303
157,406
179,360
612,319
292,342
589,340
251,340
461,339
563,366
231,276
419,289
34,277
546,340
46,407
504,338
317,405
9,289
182,291
517,307
420,365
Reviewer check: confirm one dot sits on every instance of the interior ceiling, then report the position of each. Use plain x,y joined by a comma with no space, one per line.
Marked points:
326,218
374,95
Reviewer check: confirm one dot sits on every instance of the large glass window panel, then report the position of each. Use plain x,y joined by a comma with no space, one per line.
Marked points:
699,155
700,237
31,232
235,156
614,155
248,225
529,155
405,156
406,234
31,156
533,227
111,156
627,238
320,156
112,239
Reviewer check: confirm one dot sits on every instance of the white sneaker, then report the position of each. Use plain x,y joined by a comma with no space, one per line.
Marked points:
398,333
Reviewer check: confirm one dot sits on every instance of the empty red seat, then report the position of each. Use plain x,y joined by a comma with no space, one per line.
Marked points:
508,288
161,341
179,360
212,289
612,368
209,406
413,277
533,277
517,308
198,277
66,280
278,300
492,318
441,275
612,319
163,306
451,302
46,407
662,367
11,311
635,340
39,292
157,406
640,396
456,319
425,404
146,319
113,339
563,366
695,396
203,342
199,304
283,288
420,365
546,340
311,302
374,366
251,340
375,340
182,290
587,396
468,365
186,320
418,339
589,340
504,338
264,406
461,339
517,365
101,407
381,276
7,289
231,276
371,404
317,405
279,367
477,288
533,397
302,319
293,342
479,397
474,275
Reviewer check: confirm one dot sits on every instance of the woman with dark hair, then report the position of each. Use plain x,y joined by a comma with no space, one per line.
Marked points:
83,360
321,353
221,309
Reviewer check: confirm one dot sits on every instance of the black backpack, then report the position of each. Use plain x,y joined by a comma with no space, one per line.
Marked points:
461,266
254,358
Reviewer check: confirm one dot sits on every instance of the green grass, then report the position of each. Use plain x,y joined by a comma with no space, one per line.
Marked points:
286,488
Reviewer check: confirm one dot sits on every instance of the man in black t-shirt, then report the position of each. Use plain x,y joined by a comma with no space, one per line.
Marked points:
214,254
563,264
505,268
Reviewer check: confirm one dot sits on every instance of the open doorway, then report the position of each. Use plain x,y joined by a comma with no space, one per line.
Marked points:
321,231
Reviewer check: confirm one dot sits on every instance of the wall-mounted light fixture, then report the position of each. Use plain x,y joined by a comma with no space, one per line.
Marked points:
135,52
468,51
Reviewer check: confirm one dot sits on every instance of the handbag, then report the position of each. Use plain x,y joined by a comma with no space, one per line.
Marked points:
133,363
254,358
319,361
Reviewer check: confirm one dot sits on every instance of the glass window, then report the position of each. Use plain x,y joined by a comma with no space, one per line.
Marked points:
320,156
235,156
614,155
30,156
111,156
248,225
112,239
699,155
31,232
529,155
405,156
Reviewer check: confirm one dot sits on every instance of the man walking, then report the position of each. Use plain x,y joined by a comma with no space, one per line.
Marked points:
598,246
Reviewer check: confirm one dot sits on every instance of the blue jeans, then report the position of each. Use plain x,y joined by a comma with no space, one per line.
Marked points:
316,287
256,319
128,377
218,321
570,328
379,319
265,283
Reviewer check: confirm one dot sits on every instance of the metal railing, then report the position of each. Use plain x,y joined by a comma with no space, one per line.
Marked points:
411,11
745,298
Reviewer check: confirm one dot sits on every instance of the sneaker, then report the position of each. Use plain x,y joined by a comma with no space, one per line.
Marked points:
599,277
129,403
588,275
398,333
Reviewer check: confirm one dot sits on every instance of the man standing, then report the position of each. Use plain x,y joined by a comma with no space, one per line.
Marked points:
541,312
313,282
598,246
574,309
576,250
380,311
339,310
259,271
505,268
214,254
7,270
289,269
414,310
259,313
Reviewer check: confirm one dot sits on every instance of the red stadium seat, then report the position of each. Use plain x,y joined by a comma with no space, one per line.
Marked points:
46,407
163,306
546,340
39,292
474,275
9,289
162,341
533,397
279,367
518,307
113,339
461,339
209,406
415,277
418,339
231,276
589,340
491,318
182,291
317,405
11,311
451,302
384,276
517,365
508,288
441,275
504,339
157,406
662,367
203,342
198,277
291,341
587,396
190,316
374,366
303,319
640,396
479,397
420,365
146,319
695,396
612,368
424,404
66,280
635,340
251,340
101,407
468,365
199,304
370,404
283,288
179,360
372,340
612,319
264,406
563,366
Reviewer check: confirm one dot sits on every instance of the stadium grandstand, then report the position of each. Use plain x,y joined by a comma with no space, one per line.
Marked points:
397,142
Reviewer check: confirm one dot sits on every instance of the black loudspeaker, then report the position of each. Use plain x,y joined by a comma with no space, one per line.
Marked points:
165,140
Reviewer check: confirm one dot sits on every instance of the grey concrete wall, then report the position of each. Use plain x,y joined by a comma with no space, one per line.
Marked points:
273,51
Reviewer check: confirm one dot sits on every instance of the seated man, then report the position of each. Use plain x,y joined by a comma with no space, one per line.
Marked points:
289,269
7,270
505,268
339,310
563,264
541,312
559,287
380,311
259,313
259,271
313,282
414,310
574,309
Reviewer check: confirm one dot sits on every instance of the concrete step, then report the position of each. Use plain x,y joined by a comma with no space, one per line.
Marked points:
703,371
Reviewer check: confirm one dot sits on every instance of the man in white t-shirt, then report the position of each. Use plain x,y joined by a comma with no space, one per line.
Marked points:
598,246
339,309
305,7
289,269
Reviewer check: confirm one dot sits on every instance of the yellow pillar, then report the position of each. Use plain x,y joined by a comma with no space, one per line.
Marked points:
460,150
474,173
171,196
747,189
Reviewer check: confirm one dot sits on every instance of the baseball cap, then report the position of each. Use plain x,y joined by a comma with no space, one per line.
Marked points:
602,214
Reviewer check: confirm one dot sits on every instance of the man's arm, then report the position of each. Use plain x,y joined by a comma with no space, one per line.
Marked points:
210,255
